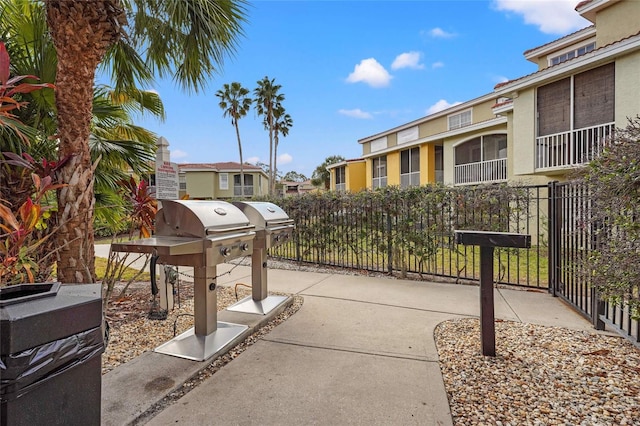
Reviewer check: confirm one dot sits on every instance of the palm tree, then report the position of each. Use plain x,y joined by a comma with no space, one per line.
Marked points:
282,122
266,97
235,103
186,38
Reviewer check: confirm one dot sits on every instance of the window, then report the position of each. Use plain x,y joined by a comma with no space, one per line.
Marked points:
182,180
482,159
592,103
341,182
459,120
439,163
224,181
380,172
410,167
248,185
555,60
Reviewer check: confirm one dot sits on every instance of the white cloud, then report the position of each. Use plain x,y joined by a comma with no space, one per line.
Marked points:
355,113
178,153
284,159
370,71
408,60
550,16
500,79
252,160
440,33
437,65
440,106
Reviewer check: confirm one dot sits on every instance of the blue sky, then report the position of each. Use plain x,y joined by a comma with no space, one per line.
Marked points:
351,69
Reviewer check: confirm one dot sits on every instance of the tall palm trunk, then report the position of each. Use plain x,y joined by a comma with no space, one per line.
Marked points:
272,189
241,161
81,31
271,172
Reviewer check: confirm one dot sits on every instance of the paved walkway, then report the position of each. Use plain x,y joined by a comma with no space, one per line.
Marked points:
359,351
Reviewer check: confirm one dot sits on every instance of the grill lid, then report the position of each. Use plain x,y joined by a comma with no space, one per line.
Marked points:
264,215
200,218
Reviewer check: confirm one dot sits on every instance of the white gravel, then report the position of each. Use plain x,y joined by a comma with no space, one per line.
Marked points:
540,376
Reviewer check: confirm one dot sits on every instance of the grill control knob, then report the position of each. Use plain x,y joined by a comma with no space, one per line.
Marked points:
225,251
244,246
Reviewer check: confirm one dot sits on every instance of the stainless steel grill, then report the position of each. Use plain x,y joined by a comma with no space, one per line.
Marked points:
273,227
201,234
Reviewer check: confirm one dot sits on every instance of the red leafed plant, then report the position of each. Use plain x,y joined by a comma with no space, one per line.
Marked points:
20,238
142,204
11,86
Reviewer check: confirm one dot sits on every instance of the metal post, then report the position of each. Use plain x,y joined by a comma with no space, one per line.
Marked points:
259,273
487,317
205,300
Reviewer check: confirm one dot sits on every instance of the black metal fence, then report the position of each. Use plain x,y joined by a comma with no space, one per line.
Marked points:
571,241
410,232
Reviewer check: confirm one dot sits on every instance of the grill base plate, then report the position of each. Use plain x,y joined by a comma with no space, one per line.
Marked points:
262,307
199,348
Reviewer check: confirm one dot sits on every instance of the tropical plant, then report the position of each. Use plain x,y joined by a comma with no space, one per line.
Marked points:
235,103
267,98
141,207
321,176
187,38
21,240
282,122
10,90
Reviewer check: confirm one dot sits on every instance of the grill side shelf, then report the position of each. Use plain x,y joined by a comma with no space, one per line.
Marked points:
163,246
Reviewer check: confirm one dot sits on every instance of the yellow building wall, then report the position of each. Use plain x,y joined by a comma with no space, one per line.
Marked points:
616,22
427,164
433,127
483,111
521,147
368,165
356,176
393,168
627,77
201,184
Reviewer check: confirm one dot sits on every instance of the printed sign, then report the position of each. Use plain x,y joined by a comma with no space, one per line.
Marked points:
167,185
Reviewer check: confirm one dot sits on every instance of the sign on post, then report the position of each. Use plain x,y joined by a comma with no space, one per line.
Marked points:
487,242
167,185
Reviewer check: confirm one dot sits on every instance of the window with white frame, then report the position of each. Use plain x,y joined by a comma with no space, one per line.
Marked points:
341,181
410,167
248,185
223,181
574,53
379,172
459,120
182,181
481,159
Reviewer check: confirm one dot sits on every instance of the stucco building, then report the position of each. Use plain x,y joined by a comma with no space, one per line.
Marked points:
530,130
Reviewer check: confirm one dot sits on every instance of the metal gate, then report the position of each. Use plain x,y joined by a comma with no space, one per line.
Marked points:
571,240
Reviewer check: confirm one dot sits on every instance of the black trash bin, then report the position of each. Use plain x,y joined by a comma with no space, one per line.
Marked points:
51,346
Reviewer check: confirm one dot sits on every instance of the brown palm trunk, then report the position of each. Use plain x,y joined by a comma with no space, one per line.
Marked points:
81,31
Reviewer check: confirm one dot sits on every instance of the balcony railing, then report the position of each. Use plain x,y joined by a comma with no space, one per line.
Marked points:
572,148
248,191
481,172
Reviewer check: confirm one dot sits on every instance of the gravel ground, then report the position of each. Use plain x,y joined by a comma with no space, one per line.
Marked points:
540,376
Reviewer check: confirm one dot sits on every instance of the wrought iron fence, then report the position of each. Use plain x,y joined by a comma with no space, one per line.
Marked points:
571,241
410,231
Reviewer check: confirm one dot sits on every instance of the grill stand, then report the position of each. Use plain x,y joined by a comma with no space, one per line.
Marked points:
208,336
259,302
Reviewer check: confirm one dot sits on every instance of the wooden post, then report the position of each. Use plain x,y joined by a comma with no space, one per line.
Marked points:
487,241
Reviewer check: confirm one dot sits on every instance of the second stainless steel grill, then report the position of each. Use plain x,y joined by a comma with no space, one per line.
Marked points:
201,234
273,227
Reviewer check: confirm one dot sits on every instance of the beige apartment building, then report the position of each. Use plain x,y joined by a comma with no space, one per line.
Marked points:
208,181
529,130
